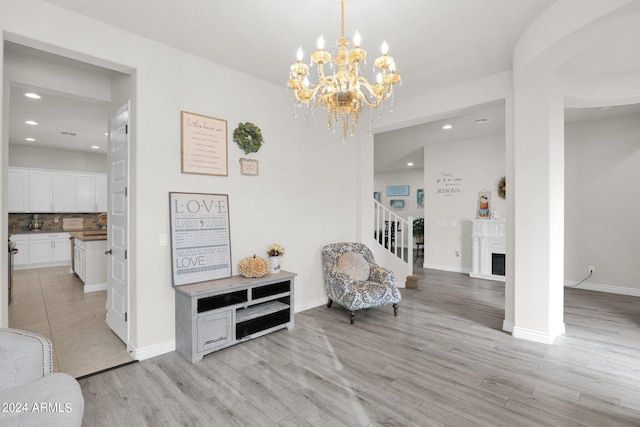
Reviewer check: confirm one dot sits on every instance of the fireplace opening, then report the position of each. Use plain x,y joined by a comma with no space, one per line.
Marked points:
497,264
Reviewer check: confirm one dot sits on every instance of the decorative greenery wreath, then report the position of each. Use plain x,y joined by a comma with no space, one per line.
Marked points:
249,137
502,187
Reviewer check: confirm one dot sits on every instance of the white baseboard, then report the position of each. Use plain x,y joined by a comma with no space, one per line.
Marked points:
153,350
311,304
446,268
536,336
635,292
95,288
507,326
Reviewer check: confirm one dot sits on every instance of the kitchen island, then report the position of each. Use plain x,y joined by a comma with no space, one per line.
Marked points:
89,259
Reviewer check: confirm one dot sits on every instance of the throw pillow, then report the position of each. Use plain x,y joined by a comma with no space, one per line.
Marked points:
354,265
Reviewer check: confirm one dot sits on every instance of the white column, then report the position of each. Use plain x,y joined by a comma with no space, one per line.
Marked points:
538,187
507,324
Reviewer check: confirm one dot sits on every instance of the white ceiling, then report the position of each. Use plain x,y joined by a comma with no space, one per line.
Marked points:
64,122
435,43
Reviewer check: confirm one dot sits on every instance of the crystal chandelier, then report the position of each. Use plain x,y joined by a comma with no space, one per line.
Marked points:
344,92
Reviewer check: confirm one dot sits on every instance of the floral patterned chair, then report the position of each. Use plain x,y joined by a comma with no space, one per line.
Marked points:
354,280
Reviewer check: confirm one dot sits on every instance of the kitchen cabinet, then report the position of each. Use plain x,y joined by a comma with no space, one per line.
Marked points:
40,191
91,193
49,249
90,262
21,259
101,193
44,190
63,192
78,259
18,190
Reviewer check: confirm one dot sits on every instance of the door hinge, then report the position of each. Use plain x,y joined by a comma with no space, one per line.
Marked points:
126,129
126,191
125,254
125,317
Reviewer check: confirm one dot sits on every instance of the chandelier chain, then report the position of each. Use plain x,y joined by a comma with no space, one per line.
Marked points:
342,18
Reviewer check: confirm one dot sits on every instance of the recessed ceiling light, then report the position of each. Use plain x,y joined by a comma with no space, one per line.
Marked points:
31,122
32,95
447,127
95,147
106,134
30,139
481,121
410,164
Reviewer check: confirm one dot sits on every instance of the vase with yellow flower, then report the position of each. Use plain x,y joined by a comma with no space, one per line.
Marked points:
275,251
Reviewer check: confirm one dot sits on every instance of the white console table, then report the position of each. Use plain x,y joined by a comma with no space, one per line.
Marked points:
217,314
488,238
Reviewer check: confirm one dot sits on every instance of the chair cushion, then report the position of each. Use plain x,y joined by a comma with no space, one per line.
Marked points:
370,294
354,265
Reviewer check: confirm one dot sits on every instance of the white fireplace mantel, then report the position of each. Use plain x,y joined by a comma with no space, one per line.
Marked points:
488,237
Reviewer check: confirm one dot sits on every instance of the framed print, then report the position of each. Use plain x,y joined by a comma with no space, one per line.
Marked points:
200,245
484,200
420,197
204,144
398,190
397,203
248,167
376,196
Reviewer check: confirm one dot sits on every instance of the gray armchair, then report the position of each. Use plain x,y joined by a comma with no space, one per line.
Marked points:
359,282
30,394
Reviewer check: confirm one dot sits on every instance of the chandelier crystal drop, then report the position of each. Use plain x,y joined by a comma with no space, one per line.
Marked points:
344,92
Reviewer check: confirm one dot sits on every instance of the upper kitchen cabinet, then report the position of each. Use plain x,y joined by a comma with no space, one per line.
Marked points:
91,193
18,190
62,191
42,190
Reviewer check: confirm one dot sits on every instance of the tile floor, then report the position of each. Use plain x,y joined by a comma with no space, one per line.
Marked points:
51,302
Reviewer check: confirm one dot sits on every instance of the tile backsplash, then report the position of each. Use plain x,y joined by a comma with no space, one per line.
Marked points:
51,222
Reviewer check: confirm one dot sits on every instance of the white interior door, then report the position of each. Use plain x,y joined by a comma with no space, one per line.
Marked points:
118,235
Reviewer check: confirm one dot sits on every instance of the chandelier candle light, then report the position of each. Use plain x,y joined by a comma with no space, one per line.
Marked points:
343,93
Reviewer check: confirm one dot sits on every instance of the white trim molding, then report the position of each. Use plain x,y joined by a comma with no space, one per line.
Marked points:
635,292
446,268
153,350
536,336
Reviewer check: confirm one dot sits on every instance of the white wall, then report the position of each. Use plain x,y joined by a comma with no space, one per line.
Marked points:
305,171
20,155
602,212
474,164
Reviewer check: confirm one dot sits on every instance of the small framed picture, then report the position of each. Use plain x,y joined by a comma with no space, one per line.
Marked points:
484,201
376,195
248,167
420,197
397,203
397,190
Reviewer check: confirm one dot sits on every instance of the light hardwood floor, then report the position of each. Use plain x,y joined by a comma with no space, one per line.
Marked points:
443,361
51,302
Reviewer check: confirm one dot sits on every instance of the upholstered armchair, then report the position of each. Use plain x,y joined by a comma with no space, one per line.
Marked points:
31,394
354,280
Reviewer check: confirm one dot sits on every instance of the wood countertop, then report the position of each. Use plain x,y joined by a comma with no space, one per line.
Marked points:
87,236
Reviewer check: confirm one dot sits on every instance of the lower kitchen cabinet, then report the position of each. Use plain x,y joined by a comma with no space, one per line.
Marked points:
90,263
41,250
21,259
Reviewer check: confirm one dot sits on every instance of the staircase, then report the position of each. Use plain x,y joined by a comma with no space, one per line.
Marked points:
394,242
